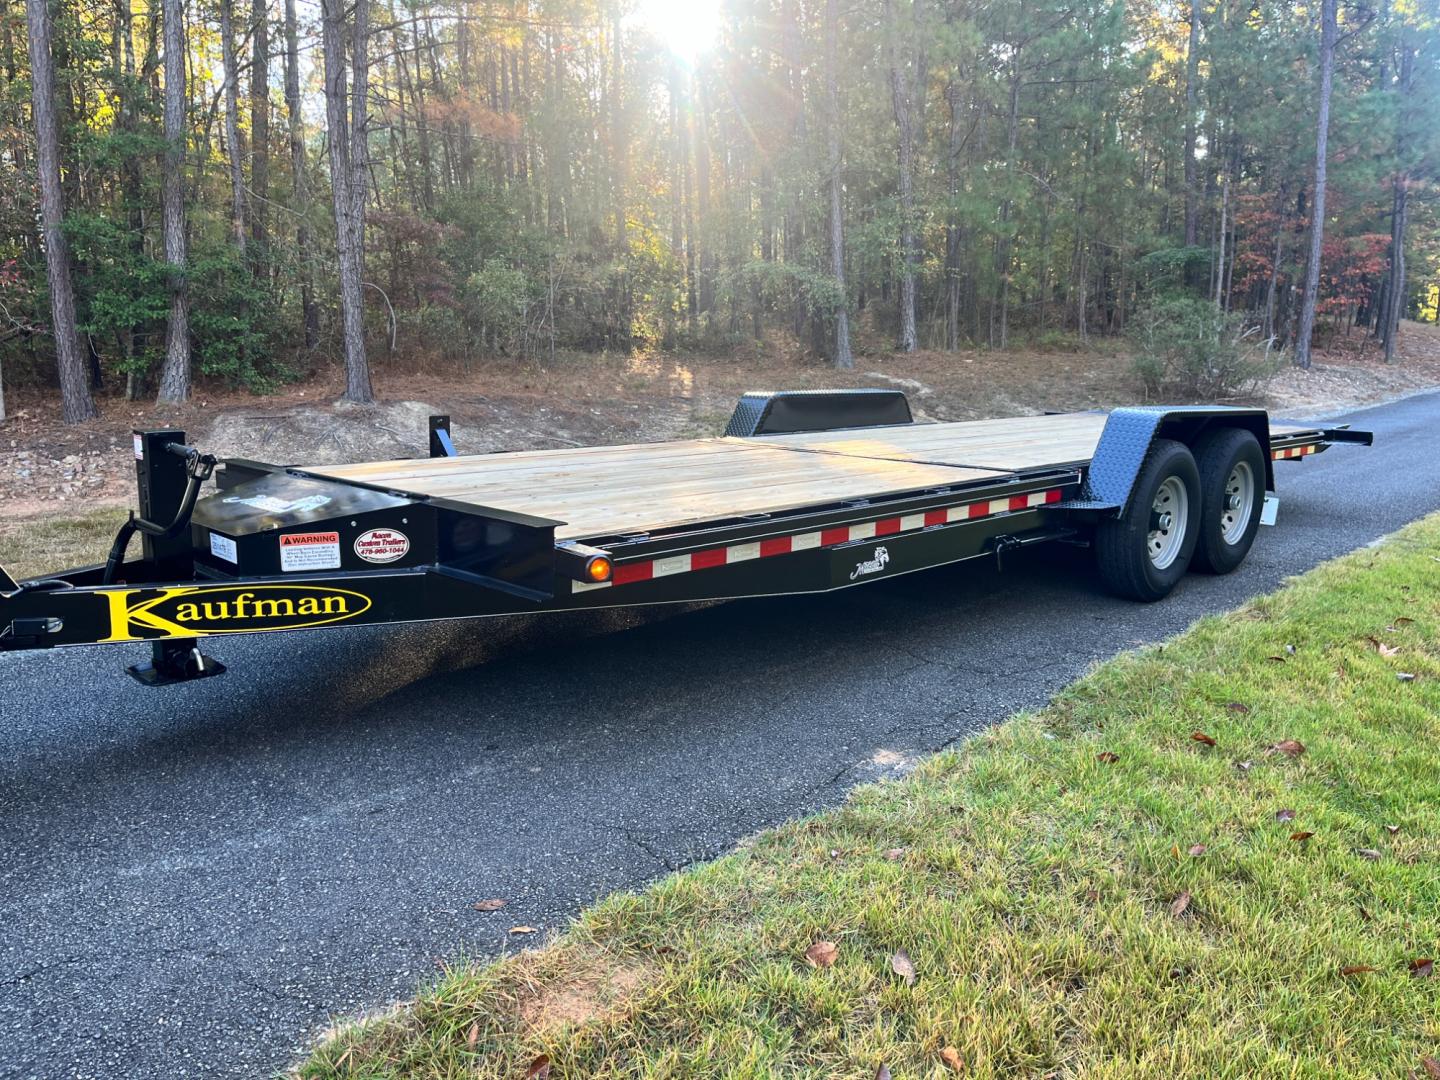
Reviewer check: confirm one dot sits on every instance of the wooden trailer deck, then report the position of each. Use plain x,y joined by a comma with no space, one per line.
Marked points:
611,490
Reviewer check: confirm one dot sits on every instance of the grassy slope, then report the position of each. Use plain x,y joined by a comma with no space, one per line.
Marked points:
1034,885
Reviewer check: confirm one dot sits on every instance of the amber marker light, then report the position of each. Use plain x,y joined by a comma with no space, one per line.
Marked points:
599,569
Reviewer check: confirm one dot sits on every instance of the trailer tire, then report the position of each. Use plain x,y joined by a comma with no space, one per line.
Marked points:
1145,552
1232,491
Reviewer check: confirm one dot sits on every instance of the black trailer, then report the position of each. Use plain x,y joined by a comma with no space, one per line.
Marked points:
805,492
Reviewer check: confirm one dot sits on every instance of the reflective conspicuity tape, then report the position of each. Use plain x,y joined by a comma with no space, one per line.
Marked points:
649,569
1295,451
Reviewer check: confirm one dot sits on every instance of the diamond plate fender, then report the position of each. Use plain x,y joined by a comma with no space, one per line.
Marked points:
1127,437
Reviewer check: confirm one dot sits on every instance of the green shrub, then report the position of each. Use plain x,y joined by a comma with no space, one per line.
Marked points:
1187,347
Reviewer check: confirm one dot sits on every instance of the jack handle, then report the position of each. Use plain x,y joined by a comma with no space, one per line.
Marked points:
198,468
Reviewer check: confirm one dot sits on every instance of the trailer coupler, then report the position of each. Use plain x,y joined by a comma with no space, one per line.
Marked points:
175,661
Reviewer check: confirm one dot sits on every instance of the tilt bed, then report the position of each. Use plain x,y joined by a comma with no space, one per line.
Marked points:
805,492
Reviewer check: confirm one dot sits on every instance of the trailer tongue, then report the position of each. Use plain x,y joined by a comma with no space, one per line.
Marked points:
807,492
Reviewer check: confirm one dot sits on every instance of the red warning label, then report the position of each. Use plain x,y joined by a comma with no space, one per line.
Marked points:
310,551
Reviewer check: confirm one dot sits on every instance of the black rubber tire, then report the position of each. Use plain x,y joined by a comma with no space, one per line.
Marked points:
1216,456
1120,543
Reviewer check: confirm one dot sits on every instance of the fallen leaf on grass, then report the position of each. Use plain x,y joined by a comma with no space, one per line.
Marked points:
895,854
1392,829
1422,968
882,1073
539,1068
1301,837
493,904
1403,620
1276,659
822,954
1288,747
1244,766
1108,757
951,1057
524,929
1356,969
1201,737
1368,853
1179,904
1284,815
1365,915
1430,1064
1197,850
473,1036
1387,650
901,964
1237,706
1405,676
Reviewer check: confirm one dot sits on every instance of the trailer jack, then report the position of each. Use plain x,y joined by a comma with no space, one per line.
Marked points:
174,661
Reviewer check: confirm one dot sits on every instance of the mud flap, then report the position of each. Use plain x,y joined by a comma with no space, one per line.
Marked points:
1270,511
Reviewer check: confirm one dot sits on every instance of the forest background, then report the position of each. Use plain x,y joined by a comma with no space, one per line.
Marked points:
249,193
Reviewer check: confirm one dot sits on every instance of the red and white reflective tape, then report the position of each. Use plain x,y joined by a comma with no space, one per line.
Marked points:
1295,451
648,569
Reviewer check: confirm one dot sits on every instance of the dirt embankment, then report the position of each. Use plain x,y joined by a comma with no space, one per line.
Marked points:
49,469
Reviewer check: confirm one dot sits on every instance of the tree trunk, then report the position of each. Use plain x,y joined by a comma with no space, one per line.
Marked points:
953,237
232,123
175,374
900,92
310,314
1002,243
1317,208
349,158
1394,307
1192,63
260,128
75,399
843,358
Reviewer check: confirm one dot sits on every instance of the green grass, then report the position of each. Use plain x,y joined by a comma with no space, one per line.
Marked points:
31,546
1035,887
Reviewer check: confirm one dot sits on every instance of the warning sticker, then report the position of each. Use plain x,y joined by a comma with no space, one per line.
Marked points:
382,545
310,551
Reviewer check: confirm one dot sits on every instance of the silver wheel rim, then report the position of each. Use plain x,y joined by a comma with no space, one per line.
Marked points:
1169,515
1238,503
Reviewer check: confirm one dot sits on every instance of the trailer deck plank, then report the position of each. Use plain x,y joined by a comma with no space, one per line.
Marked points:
615,490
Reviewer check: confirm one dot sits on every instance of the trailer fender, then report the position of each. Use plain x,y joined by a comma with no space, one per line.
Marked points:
1129,433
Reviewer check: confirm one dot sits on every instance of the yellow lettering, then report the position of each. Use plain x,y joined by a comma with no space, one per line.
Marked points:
274,609
335,605
124,615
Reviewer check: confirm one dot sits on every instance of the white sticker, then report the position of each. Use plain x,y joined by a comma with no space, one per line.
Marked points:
382,545
272,505
139,448
222,547
310,551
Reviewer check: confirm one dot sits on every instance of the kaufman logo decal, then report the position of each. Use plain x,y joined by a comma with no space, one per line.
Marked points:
197,610
872,565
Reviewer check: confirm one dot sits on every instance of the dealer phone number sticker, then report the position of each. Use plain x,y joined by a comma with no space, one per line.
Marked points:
310,551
